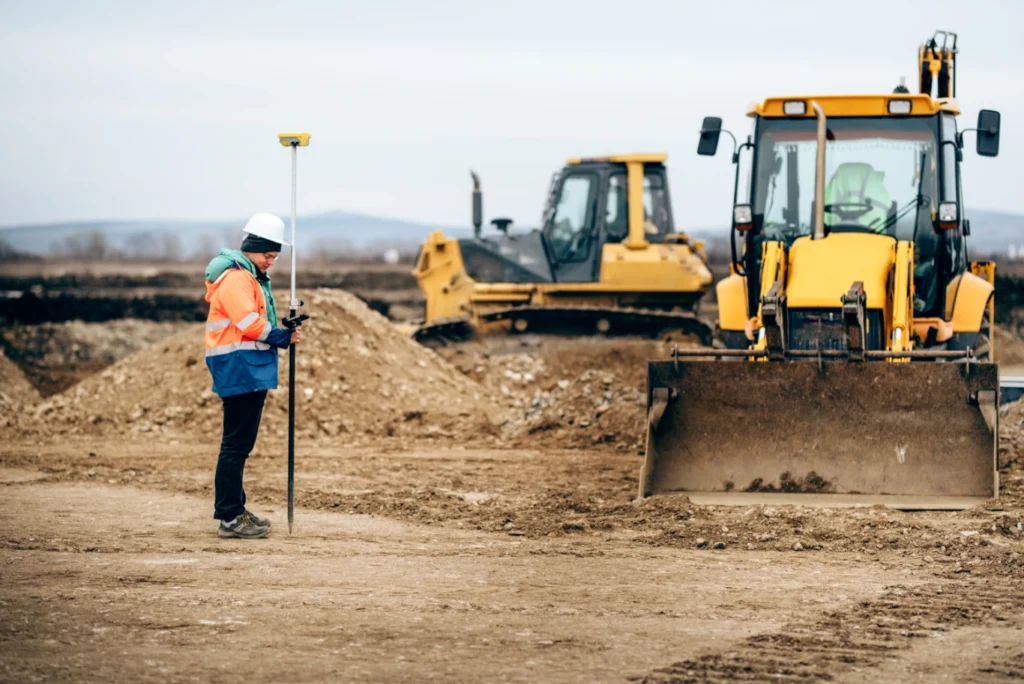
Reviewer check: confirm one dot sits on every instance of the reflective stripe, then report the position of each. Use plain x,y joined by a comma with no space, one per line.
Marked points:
266,331
218,325
236,346
247,321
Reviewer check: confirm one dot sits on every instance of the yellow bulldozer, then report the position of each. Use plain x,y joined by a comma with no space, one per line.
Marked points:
607,260
858,366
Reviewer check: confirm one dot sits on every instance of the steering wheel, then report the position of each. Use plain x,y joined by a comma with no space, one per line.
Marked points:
783,230
848,211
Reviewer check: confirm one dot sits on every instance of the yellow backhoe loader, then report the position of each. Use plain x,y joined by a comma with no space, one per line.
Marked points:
858,367
606,260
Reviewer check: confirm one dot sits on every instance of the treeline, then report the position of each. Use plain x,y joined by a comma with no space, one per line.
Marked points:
8,254
96,246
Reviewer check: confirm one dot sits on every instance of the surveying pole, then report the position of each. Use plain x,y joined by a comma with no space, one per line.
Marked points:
295,141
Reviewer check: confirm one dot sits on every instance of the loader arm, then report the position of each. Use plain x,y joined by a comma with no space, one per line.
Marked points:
902,297
771,304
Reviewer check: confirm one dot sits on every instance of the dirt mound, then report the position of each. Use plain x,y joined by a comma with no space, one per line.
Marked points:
572,392
1011,432
356,375
1008,347
57,355
14,386
17,395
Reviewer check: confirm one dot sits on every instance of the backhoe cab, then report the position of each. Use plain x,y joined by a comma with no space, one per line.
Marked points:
606,259
886,166
849,262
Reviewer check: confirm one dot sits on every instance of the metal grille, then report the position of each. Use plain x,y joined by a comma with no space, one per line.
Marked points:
808,326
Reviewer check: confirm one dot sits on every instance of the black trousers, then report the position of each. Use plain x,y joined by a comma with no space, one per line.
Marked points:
242,414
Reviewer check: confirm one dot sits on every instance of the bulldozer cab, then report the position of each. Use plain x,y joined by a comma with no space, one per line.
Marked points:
591,204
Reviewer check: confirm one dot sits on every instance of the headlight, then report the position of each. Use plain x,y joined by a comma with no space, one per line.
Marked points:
899,106
949,214
794,107
742,217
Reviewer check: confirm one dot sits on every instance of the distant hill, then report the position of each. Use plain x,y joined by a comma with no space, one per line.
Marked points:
336,232
993,232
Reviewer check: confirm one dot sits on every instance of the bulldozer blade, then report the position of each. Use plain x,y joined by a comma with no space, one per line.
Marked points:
920,435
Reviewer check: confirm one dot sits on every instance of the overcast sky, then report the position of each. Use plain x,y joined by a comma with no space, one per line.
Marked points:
169,109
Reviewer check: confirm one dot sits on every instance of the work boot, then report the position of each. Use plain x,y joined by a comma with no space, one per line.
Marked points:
241,528
258,522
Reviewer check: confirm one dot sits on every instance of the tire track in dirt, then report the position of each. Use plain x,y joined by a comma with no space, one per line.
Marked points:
865,637
1014,669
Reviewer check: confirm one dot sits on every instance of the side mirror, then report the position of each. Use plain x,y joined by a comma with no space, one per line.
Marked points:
710,130
988,133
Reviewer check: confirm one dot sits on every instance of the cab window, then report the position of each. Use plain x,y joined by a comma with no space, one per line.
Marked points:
571,224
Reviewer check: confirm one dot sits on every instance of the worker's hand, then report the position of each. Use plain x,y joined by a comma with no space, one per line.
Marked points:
297,335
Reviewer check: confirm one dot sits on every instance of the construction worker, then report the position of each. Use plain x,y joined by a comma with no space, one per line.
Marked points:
242,339
857,194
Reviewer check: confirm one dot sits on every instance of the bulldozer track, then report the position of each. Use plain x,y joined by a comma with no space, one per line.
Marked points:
445,331
613,320
589,320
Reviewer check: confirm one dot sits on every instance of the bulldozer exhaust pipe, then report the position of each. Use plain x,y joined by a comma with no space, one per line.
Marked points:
819,173
478,205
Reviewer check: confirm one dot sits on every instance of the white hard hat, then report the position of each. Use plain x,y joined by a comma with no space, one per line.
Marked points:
266,226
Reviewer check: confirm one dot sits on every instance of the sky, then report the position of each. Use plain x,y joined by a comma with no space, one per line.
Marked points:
170,110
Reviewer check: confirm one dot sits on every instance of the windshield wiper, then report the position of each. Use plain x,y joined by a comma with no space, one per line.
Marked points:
915,203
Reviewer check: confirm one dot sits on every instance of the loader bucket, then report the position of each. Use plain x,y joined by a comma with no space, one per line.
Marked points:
919,435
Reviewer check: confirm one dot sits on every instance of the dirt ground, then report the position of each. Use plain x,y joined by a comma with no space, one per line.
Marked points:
426,562
465,514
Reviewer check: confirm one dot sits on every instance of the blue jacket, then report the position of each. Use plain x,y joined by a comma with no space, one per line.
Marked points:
241,337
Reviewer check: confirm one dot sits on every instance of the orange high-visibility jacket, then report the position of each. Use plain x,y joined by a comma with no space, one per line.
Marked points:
241,344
